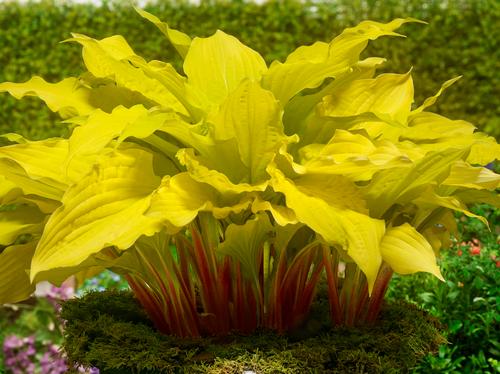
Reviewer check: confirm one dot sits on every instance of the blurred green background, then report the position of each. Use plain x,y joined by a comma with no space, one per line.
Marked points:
460,39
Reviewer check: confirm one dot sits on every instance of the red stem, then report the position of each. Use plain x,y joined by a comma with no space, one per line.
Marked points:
379,289
333,295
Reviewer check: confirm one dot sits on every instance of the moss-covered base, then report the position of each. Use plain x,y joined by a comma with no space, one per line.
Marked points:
110,331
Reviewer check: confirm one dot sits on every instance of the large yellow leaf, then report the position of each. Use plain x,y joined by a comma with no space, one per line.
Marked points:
37,168
308,67
464,175
252,116
407,251
336,190
180,198
40,159
388,95
428,127
432,132
166,74
44,160
67,97
484,150
353,156
100,128
109,58
216,65
36,172
310,210
363,235
15,282
105,208
300,116
25,184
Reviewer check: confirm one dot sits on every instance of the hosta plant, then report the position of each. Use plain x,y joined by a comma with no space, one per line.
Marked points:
224,193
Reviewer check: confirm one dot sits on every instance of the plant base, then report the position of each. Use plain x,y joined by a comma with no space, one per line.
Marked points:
109,330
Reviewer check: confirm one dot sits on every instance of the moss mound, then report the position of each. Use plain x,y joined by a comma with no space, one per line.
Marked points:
109,330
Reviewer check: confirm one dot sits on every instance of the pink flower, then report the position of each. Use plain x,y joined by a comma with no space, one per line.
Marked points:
460,252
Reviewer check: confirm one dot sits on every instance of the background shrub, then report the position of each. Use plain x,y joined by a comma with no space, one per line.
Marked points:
459,40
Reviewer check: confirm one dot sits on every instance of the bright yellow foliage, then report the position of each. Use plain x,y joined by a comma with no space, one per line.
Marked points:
318,140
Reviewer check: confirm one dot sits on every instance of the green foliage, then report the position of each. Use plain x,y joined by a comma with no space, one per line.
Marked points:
459,40
470,228
468,302
110,331
106,280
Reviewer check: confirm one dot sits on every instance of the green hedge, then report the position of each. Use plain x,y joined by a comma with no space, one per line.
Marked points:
459,40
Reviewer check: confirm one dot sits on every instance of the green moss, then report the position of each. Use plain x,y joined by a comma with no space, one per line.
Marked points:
110,331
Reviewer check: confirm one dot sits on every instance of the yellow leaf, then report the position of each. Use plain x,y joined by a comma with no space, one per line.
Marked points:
431,200
15,283
22,220
67,97
180,198
281,214
243,243
356,233
300,116
465,175
431,100
105,208
309,66
218,64
353,156
388,95
38,168
220,181
109,58
402,185
484,150
100,128
407,251
336,190
179,40
252,116
428,127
